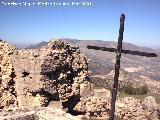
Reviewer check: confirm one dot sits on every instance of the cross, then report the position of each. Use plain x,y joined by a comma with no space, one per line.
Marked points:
118,51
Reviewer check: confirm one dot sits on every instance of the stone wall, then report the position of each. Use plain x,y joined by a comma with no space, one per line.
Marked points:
53,73
7,75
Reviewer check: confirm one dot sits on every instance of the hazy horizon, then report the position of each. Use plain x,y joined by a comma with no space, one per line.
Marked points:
23,45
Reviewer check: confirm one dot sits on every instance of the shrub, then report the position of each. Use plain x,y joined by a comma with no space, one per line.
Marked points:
135,89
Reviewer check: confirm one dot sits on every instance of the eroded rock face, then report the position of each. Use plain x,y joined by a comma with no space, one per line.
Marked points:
54,72
7,75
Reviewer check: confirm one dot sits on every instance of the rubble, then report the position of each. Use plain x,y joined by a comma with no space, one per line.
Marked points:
152,109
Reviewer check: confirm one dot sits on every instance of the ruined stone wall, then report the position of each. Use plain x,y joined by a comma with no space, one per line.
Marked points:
52,73
7,75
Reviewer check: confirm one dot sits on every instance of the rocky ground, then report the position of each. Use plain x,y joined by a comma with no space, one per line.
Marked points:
53,83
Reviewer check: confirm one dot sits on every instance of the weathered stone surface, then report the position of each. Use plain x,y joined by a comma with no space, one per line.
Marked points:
152,109
53,72
7,75
48,113
94,107
132,109
56,72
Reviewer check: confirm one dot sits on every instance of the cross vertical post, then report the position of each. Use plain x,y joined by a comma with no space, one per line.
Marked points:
117,67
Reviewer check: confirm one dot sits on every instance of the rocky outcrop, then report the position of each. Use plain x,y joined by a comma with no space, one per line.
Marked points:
55,72
7,75
94,107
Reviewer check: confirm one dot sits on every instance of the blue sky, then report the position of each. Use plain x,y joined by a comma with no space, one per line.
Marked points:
100,21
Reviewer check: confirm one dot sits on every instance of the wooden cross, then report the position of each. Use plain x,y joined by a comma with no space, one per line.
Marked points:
119,50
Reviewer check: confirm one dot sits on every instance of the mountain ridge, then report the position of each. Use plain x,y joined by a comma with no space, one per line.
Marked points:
75,41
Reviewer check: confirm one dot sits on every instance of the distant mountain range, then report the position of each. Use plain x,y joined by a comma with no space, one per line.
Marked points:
36,46
102,62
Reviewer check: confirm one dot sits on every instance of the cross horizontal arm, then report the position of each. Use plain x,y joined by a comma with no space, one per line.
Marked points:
123,51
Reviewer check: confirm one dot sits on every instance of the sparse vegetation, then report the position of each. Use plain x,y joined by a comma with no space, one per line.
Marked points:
135,89
100,82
